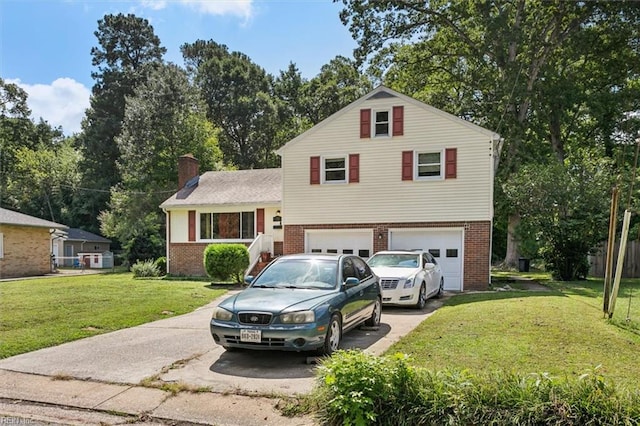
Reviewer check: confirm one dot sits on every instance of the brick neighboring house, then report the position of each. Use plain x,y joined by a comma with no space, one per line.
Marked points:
385,172
25,244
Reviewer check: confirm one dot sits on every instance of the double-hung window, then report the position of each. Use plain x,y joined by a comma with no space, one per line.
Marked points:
227,226
428,165
335,169
381,125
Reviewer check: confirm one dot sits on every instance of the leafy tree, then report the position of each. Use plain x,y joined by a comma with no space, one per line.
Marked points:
128,49
339,83
164,119
43,179
14,125
513,66
565,208
239,96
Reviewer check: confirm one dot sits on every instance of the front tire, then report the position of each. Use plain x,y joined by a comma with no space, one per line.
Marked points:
374,320
422,297
333,337
440,289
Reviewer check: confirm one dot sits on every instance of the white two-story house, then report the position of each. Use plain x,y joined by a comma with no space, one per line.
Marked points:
385,172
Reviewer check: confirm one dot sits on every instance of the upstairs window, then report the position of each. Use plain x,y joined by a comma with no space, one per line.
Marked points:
428,165
335,169
381,123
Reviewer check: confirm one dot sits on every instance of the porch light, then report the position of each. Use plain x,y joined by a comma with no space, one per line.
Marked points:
277,221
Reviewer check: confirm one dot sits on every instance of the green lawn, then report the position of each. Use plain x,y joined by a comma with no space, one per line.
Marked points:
562,332
42,312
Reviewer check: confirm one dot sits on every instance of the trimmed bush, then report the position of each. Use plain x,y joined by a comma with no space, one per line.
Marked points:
355,388
145,269
161,264
226,261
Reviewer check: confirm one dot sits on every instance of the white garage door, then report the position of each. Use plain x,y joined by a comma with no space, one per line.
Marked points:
341,241
445,245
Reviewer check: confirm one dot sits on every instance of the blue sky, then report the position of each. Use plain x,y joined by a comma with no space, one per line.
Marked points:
45,44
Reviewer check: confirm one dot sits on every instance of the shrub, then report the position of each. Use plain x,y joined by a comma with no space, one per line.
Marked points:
161,264
144,269
355,388
224,261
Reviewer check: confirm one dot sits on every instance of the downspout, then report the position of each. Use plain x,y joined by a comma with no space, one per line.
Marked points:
167,233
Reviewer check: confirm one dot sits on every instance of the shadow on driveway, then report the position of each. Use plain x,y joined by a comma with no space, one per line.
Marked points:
284,364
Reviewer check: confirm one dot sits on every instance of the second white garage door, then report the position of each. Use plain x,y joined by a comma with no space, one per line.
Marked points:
341,241
445,245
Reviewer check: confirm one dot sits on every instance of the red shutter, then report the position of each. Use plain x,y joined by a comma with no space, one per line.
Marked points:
260,220
398,120
192,225
450,163
314,167
354,168
365,123
407,165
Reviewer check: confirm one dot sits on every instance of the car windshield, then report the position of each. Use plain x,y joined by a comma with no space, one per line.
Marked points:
299,273
397,260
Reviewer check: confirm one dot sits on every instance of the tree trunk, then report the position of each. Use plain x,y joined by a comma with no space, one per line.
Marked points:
513,249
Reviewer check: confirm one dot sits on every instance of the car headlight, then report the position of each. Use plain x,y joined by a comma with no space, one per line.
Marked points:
221,314
299,317
408,283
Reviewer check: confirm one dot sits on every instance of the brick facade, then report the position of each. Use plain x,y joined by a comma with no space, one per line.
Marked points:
27,251
187,259
477,244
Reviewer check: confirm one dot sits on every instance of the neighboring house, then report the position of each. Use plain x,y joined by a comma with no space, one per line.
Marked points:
77,244
25,244
385,172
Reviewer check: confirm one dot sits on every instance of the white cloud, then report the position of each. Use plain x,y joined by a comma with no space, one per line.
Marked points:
61,103
240,8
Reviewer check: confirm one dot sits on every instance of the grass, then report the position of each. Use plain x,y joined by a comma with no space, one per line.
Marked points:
43,312
562,332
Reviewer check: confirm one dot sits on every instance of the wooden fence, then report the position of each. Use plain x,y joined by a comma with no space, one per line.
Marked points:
631,267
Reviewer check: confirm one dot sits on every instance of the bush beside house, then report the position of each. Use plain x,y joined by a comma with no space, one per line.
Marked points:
225,261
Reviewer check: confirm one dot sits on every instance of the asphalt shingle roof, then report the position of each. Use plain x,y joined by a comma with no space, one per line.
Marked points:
261,186
10,217
77,234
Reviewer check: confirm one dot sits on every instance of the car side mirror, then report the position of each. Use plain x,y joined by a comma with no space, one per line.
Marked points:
429,265
248,279
351,282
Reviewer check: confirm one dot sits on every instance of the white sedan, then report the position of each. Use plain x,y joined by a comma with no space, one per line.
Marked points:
407,277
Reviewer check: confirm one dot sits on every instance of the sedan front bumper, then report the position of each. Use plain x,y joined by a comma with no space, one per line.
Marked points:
298,337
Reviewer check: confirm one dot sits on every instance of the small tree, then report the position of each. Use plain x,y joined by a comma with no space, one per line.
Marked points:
224,261
566,209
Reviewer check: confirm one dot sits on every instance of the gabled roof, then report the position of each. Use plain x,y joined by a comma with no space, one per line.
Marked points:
261,186
77,234
10,217
384,92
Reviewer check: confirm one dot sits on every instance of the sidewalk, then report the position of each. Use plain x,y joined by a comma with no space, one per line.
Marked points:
35,399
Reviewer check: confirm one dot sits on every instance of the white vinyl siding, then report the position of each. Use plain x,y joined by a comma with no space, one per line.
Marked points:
381,195
1,245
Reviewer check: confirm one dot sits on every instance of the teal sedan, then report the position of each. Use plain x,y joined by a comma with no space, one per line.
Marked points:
300,302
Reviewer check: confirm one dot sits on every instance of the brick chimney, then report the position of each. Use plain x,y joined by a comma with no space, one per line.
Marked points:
188,167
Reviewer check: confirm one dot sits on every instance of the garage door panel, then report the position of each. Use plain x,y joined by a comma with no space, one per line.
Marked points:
445,246
340,242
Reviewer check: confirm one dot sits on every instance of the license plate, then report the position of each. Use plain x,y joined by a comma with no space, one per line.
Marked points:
251,336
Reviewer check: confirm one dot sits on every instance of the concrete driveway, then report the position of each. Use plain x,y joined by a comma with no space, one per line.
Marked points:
181,349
